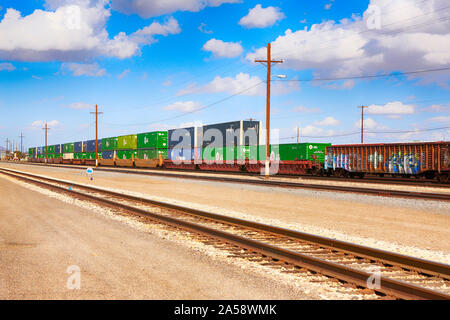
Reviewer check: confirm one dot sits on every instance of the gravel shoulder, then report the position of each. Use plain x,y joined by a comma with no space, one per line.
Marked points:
40,237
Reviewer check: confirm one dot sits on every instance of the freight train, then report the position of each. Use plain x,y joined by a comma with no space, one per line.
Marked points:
235,146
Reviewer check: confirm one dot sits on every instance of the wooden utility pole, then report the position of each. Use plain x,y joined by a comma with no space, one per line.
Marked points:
269,62
96,133
362,122
21,142
7,147
46,128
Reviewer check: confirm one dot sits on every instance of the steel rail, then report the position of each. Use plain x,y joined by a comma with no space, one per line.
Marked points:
388,286
295,185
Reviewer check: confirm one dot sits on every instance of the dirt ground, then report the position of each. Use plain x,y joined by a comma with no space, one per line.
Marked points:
42,238
417,226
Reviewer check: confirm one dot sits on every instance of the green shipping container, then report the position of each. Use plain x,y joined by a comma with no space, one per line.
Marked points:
152,153
314,151
214,154
152,140
91,155
109,144
57,156
295,152
126,154
30,153
50,149
163,153
146,154
80,155
68,148
128,142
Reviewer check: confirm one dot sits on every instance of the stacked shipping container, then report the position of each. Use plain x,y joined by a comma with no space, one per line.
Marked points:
152,145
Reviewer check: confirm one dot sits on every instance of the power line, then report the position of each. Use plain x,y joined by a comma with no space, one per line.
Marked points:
298,80
386,75
193,111
373,132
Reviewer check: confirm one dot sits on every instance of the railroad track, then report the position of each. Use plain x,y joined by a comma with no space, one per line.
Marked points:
399,276
287,184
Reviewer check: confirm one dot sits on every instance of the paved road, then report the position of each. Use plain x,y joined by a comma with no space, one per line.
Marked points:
41,237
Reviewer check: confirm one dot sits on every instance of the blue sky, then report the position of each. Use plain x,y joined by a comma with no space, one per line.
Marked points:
150,64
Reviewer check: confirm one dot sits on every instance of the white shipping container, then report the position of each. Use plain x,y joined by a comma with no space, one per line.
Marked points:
68,156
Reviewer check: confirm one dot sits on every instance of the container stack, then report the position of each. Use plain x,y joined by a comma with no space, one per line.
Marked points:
109,147
90,149
127,147
58,151
185,144
78,151
31,153
237,140
68,151
152,145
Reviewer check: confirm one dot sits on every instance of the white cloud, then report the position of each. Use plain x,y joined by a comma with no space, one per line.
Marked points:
438,108
145,35
391,108
349,47
260,17
443,119
328,6
369,123
328,121
242,83
7,66
230,85
155,8
184,106
81,69
305,110
74,31
41,124
223,49
312,131
81,105
123,74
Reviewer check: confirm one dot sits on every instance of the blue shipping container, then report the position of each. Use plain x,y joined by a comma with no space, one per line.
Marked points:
185,154
91,146
78,147
58,149
39,150
192,137
107,154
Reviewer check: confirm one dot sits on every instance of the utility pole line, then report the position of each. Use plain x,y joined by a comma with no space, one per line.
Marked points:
7,147
21,142
362,122
46,128
269,62
298,134
96,133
